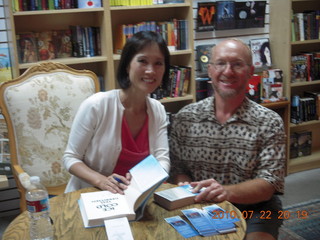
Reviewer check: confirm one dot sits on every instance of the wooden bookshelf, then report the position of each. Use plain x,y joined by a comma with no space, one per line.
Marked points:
283,48
108,18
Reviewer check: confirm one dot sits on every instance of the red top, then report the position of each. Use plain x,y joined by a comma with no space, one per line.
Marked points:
133,149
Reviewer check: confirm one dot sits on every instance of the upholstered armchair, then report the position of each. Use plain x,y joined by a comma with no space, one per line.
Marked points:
39,107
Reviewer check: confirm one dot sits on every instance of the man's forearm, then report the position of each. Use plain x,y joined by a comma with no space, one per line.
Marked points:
250,192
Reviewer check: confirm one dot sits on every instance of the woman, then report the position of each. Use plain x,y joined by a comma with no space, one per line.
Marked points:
115,130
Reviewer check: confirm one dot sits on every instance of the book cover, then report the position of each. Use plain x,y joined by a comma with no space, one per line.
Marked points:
272,85
89,3
316,96
77,41
5,63
304,143
202,88
95,207
206,16
203,58
62,43
293,145
261,52
250,14
27,47
225,15
176,197
45,45
299,68
253,88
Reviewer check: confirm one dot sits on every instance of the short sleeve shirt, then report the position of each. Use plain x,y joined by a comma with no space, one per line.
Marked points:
250,145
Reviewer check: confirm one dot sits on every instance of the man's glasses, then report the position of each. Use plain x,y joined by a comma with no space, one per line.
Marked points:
237,66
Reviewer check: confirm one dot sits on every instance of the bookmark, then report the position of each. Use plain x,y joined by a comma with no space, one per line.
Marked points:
118,229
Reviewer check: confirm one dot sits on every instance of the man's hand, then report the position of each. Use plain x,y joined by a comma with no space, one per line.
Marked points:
214,191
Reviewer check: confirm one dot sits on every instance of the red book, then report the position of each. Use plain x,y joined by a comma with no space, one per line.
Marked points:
253,88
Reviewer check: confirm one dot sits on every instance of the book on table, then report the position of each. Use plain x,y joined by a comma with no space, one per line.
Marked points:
176,197
147,176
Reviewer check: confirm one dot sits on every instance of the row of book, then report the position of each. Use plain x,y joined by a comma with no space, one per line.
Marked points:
300,144
221,15
177,85
305,25
36,5
77,41
305,67
174,32
305,108
142,2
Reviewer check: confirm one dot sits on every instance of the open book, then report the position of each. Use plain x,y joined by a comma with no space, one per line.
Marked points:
176,197
147,176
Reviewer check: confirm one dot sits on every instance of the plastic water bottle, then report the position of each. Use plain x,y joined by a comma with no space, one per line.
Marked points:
38,208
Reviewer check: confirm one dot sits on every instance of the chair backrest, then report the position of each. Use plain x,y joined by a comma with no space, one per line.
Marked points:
39,107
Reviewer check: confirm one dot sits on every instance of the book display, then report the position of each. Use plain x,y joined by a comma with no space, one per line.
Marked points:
87,38
95,207
295,52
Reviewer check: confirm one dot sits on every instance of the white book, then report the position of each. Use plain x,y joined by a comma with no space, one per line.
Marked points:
147,176
176,197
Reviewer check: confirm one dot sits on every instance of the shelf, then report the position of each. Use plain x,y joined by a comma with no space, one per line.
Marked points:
305,163
172,53
306,42
304,124
157,6
69,61
177,99
52,12
276,105
299,84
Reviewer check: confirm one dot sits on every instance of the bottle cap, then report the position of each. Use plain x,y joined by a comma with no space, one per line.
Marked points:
34,179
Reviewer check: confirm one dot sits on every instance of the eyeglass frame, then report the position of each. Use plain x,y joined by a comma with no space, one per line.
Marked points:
232,65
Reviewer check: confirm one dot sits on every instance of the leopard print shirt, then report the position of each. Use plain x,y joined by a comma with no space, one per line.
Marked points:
250,145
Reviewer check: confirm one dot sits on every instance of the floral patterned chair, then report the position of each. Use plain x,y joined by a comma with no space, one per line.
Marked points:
39,107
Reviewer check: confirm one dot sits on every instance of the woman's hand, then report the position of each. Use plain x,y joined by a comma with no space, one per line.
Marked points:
115,183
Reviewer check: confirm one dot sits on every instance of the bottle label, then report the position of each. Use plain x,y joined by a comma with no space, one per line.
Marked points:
38,206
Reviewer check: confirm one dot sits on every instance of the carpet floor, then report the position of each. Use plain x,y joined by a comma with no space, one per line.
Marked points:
301,221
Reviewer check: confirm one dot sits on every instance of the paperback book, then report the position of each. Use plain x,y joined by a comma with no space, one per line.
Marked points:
27,47
206,16
5,63
203,57
261,53
147,176
250,14
225,15
176,197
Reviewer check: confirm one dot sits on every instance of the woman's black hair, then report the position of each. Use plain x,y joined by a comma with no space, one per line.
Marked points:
262,54
134,45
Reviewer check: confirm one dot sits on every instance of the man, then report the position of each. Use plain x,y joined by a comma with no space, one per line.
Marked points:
232,146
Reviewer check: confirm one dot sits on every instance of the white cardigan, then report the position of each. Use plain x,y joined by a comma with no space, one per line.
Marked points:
95,136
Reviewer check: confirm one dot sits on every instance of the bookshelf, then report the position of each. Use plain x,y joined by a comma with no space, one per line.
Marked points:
109,19
283,48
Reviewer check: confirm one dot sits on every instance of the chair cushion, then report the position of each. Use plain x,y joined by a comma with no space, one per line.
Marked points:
42,110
